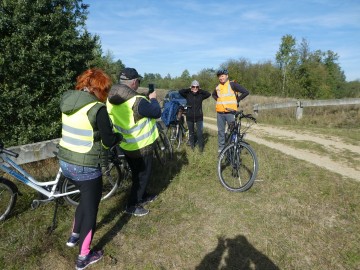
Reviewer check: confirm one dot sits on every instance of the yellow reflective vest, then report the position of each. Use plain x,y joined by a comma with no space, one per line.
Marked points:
77,132
226,97
79,143
136,135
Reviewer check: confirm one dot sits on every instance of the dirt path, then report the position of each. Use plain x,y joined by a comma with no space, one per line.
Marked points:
261,133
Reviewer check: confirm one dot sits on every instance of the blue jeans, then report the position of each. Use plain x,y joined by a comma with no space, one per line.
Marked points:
78,172
222,119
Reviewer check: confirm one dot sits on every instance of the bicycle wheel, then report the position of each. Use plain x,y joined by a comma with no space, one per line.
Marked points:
162,148
8,196
173,133
111,179
237,167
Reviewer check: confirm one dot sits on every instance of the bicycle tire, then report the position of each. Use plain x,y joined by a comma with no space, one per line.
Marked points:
172,132
111,180
237,167
8,196
163,148
179,137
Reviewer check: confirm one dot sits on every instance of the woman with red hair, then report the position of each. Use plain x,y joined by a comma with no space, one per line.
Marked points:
87,133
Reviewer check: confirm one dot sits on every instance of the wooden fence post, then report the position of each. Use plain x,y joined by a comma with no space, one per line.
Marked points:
256,109
299,110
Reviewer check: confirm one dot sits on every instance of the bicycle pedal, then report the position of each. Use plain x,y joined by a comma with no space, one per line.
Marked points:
36,203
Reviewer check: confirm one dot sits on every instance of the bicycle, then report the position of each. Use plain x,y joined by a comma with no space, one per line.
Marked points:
237,164
163,150
60,187
118,172
177,131
116,175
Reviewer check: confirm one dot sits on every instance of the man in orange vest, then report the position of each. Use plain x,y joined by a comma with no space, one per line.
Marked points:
227,95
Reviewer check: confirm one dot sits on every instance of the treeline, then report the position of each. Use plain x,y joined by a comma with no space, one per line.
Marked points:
296,72
44,45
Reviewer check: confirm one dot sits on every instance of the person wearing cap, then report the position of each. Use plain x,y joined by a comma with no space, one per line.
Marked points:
134,116
227,95
194,116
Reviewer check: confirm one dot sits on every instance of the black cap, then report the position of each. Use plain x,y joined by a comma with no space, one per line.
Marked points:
129,74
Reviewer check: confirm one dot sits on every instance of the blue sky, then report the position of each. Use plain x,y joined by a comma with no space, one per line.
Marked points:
169,36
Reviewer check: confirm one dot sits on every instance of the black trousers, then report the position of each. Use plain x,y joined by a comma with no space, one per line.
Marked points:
141,172
86,212
199,133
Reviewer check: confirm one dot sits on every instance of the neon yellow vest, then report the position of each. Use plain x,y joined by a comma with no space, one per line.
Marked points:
79,143
226,97
77,132
136,135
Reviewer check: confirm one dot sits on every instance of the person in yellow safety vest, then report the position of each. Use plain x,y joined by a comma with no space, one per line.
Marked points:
134,115
86,133
227,95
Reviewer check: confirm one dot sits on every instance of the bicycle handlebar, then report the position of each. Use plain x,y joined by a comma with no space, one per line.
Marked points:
241,114
8,152
185,107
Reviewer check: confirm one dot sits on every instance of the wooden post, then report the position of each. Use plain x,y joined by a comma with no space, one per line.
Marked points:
256,109
299,110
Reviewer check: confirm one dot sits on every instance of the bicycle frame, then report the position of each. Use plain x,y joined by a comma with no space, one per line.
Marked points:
20,174
235,130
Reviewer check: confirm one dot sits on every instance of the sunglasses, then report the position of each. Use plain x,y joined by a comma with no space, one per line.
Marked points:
194,86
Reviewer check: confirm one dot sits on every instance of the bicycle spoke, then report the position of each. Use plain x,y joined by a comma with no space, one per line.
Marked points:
237,167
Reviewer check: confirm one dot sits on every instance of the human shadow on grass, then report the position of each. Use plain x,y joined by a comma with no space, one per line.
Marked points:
206,136
236,253
162,176
114,213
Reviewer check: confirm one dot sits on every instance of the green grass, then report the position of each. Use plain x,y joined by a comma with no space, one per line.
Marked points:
296,216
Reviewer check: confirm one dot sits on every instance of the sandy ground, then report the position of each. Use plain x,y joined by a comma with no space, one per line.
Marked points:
261,133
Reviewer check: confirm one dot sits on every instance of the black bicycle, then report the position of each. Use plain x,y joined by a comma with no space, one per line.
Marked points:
237,164
177,130
117,173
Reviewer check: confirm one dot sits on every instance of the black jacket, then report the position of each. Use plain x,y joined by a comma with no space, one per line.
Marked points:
195,112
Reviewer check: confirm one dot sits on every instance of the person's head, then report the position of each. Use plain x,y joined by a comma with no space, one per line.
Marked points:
195,86
222,75
130,77
95,81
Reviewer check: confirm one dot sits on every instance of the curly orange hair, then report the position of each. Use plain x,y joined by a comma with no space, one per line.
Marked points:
96,81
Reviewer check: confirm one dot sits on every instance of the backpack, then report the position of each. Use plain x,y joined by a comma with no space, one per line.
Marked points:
169,112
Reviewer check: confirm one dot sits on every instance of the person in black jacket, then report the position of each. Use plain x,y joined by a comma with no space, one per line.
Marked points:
194,116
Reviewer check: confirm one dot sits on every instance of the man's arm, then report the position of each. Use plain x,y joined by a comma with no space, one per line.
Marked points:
150,109
238,88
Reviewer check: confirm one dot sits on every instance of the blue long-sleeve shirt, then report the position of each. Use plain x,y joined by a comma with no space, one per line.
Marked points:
150,109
